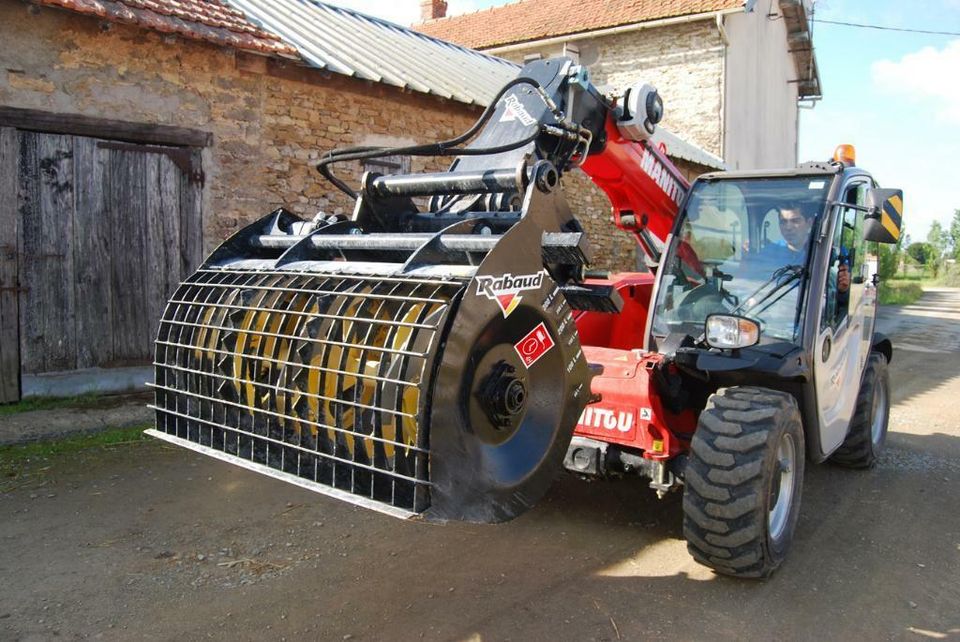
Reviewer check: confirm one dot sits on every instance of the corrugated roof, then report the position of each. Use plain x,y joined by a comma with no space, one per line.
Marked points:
536,19
210,20
676,147
348,42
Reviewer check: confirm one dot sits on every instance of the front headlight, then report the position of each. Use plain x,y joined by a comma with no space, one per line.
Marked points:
730,332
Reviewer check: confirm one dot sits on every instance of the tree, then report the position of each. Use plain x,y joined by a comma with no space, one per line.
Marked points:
955,234
922,253
938,241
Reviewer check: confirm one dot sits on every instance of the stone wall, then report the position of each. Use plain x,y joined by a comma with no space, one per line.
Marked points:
683,61
270,119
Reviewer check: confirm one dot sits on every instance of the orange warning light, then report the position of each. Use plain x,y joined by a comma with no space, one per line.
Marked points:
845,154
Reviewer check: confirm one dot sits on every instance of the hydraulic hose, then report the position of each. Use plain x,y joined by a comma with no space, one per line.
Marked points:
442,148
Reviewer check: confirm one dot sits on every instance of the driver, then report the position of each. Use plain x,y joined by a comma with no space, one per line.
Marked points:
796,224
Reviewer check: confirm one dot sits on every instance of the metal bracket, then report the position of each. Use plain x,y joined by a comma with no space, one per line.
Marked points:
182,157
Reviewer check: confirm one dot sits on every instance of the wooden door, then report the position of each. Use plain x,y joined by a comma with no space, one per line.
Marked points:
106,232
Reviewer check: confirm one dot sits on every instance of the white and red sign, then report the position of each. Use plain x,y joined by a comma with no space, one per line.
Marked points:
533,346
506,289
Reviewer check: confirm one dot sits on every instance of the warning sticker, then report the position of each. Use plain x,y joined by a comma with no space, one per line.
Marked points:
533,346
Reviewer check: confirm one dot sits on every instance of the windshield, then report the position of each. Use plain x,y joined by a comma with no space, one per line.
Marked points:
741,249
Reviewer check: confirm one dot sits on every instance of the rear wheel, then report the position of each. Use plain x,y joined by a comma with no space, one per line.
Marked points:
743,481
868,428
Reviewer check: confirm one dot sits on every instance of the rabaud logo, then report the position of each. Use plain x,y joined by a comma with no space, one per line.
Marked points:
506,289
514,110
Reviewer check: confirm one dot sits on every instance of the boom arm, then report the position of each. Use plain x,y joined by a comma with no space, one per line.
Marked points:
644,187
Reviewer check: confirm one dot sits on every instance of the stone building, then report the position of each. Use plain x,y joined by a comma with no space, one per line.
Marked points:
133,140
731,72
135,136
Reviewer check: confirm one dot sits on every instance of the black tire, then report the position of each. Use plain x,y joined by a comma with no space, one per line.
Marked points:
734,480
868,428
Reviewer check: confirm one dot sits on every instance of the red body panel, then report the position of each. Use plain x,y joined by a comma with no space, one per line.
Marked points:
646,190
629,412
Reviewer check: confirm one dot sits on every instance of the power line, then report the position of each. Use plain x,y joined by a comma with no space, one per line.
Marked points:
881,28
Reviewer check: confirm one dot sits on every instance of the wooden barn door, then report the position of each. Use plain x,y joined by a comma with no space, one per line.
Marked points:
106,232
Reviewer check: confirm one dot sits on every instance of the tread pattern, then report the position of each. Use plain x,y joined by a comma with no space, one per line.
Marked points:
858,449
727,480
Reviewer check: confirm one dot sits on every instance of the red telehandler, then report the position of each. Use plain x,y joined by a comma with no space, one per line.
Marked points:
444,352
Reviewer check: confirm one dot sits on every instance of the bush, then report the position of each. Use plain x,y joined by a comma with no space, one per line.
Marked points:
899,292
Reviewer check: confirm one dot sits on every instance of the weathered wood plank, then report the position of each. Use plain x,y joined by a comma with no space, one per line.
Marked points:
9,314
47,310
127,205
170,176
51,122
156,244
93,257
191,221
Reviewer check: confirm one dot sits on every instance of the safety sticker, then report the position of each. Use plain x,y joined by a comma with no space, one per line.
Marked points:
645,414
533,346
506,289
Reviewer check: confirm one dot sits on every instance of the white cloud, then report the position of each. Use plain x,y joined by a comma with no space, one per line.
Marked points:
923,75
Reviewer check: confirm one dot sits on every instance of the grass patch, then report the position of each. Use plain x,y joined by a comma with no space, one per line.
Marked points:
22,463
900,292
47,403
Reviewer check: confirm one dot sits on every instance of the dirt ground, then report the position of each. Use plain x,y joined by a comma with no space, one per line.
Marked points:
152,542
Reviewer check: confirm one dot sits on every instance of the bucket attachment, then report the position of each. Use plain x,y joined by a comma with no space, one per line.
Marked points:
436,374
421,357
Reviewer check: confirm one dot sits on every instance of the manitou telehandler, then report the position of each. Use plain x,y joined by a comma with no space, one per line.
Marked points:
441,353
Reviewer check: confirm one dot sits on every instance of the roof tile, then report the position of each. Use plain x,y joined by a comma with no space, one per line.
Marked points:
210,20
536,19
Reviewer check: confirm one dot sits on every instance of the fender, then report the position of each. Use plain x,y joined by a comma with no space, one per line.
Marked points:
883,345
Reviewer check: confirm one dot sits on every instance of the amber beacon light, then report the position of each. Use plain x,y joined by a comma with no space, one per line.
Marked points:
845,154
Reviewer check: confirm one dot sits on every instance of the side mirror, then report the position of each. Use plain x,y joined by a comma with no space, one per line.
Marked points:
885,218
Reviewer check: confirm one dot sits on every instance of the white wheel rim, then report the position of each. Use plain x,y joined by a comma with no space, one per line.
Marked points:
781,492
879,414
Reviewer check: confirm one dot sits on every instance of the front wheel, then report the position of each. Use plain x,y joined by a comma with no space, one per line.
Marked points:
743,481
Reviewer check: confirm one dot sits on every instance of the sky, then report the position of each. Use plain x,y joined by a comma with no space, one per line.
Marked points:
895,96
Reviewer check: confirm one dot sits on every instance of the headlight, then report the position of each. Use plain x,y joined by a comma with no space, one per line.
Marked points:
730,332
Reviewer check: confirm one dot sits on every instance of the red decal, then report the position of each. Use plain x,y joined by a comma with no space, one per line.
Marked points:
533,346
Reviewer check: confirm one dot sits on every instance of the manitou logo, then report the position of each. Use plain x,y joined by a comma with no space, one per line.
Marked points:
660,175
516,111
506,289
607,419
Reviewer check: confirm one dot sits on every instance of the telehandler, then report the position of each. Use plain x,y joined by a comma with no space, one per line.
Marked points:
443,352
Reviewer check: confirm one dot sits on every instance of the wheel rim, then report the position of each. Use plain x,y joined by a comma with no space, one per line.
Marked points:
879,414
781,494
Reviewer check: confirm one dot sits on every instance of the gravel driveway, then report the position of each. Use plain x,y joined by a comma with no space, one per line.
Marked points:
150,542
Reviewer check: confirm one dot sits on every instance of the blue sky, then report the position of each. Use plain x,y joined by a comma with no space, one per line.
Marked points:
894,95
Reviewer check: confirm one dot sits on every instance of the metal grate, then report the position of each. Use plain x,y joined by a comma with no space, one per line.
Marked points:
320,379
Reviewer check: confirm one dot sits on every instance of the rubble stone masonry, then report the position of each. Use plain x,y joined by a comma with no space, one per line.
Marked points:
270,119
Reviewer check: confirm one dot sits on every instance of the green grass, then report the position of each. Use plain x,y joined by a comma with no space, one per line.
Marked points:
900,292
23,464
47,403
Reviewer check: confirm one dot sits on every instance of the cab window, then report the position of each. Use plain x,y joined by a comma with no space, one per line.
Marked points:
847,249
